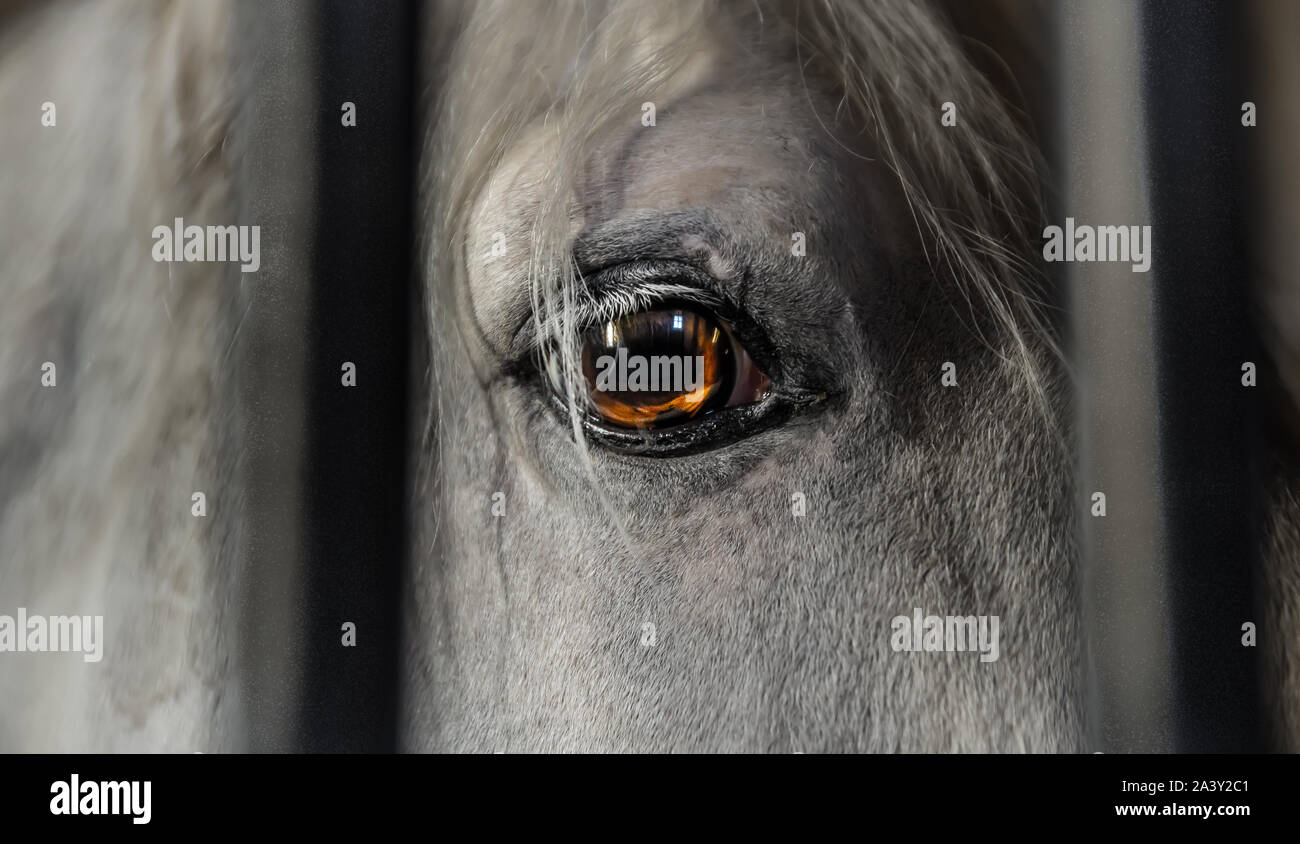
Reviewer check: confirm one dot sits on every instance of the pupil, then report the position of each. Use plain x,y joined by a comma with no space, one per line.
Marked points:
657,368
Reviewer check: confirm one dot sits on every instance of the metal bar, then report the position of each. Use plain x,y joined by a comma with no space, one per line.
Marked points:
355,518
1193,97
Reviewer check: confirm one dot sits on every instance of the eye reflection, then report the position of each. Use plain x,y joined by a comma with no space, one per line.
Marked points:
667,366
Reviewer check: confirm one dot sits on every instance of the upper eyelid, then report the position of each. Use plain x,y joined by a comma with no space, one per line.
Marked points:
626,288
709,291
617,304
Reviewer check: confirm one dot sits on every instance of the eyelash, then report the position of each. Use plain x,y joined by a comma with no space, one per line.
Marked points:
654,278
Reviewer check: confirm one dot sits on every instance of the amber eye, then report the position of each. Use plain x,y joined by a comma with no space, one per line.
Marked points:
665,367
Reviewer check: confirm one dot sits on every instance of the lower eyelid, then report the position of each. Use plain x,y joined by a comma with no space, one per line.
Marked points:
724,429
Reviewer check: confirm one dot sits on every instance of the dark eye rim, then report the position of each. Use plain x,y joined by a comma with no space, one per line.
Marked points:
720,428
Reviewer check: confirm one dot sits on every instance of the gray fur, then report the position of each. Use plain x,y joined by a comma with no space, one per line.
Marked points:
773,632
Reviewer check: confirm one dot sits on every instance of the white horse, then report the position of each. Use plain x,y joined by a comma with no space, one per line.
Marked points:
842,198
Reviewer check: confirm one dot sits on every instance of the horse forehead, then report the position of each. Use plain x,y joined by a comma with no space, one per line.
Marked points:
734,148
702,145
754,140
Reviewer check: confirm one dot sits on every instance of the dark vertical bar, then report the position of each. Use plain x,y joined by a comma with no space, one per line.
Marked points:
1191,61
360,290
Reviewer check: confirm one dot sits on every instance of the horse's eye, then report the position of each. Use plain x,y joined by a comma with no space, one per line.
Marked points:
664,367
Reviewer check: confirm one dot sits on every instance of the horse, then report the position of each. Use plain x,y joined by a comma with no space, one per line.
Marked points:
866,538
736,594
